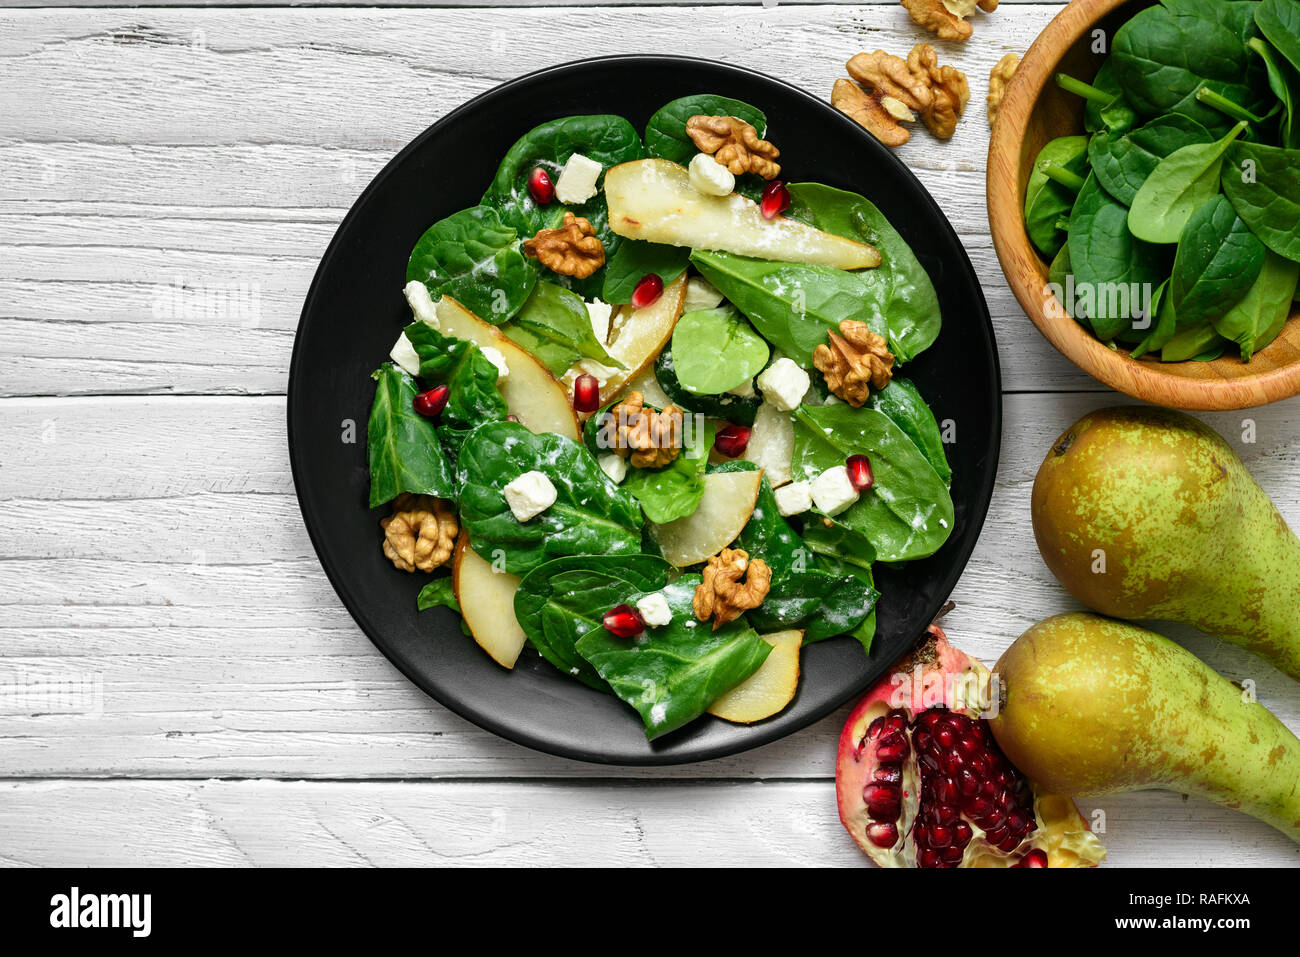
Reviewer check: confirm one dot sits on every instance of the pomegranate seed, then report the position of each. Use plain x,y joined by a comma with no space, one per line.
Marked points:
967,783
889,774
945,791
624,621
859,469
931,718
952,855
996,835
1005,800
940,836
883,802
1009,843
928,858
1035,858
969,744
893,747
896,721
945,736
961,834
430,404
731,441
944,814
922,834
648,290
586,393
882,834
873,729
540,187
775,199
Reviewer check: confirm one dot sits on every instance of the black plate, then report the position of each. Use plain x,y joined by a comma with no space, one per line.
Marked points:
355,310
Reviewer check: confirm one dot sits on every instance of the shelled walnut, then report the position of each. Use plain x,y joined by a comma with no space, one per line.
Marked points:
722,595
735,144
938,94
421,532
946,19
999,78
572,249
854,362
651,438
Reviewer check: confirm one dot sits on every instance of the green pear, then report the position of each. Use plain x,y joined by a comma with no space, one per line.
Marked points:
1093,706
1147,513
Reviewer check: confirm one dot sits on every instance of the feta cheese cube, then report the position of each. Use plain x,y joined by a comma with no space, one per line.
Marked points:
654,609
598,311
832,492
529,495
794,498
495,357
421,303
700,294
405,356
614,466
577,182
710,177
784,384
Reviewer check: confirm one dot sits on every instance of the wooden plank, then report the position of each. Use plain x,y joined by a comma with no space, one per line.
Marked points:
761,824
105,211
154,545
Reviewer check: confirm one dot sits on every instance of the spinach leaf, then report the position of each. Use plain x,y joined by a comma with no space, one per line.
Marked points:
674,490
1256,319
1194,343
801,596
439,593
1164,326
716,350
1111,112
908,513
470,376
733,408
1059,270
842,551
902,402
1279,21
1218,259
402,446
1284,81
1124,160
1179,185
1110,266
560,601
473,256
1263,184
554,326
671,674
634,260
591,515
900,284
1046,199
665,134
793,305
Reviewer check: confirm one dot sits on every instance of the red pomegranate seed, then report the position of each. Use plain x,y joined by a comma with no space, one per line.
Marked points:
540,187
775,199
928,858
859,469
624,621
889,774
648,290
873,729
882,834
430,404
961,834
1035,858
731,441
586,393
940,836
883,802
893,747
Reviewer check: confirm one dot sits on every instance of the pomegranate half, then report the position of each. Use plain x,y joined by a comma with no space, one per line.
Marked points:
922,783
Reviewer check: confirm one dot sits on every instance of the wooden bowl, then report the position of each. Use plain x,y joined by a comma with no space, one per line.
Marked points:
1034,111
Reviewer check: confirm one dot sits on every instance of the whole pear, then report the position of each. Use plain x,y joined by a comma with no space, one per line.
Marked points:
1148,513
1093,706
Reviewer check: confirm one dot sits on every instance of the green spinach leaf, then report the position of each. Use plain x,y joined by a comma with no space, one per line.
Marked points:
1284,81
716,350
733,408
902,402
1256,319
1218,259
1178,186
1194,343
1046,199
634,260
470,376
402,446
1279,21
1124,160
1263,184
439,593
674,490
473,256
555,326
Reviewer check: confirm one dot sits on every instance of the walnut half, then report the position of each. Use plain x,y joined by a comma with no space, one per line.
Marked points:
722,595
946,19
572,249
420,533
883,116
854,362
650,438
938,93
999,77
735,144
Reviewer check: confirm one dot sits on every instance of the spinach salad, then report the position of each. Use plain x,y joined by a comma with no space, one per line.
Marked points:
650,418
1173,226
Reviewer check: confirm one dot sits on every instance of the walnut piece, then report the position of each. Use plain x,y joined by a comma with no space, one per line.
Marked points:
651,438
938,93
999,77
854,362
735,144
946,19
420,533
573,249
722,595
883,116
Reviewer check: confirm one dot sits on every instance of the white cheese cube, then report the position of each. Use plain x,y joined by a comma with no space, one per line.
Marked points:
495,357
710,177
654,609
577,182
794,498
405,356
529,495
421,303
784,384
614,466
700,294
832,492
599,312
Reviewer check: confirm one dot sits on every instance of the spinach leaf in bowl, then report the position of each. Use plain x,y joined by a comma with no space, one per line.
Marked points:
1284,81
402,448
1177,187
1218,259
1255,320
1124,160
473,256
471,378
1279,21
1047,199
1263,185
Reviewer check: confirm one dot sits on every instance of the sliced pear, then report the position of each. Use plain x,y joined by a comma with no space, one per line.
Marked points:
487,601
651,391
725,507
652,199
534,395
771,443
769,689
639,335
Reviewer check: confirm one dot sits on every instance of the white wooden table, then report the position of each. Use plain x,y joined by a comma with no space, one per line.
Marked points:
178,682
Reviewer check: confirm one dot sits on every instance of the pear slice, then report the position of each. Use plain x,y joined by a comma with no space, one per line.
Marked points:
639,335
725,507
487,601
769,689
652,199
533,395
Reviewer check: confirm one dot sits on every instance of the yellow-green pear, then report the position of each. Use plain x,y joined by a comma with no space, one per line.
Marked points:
1146,513
1094,706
